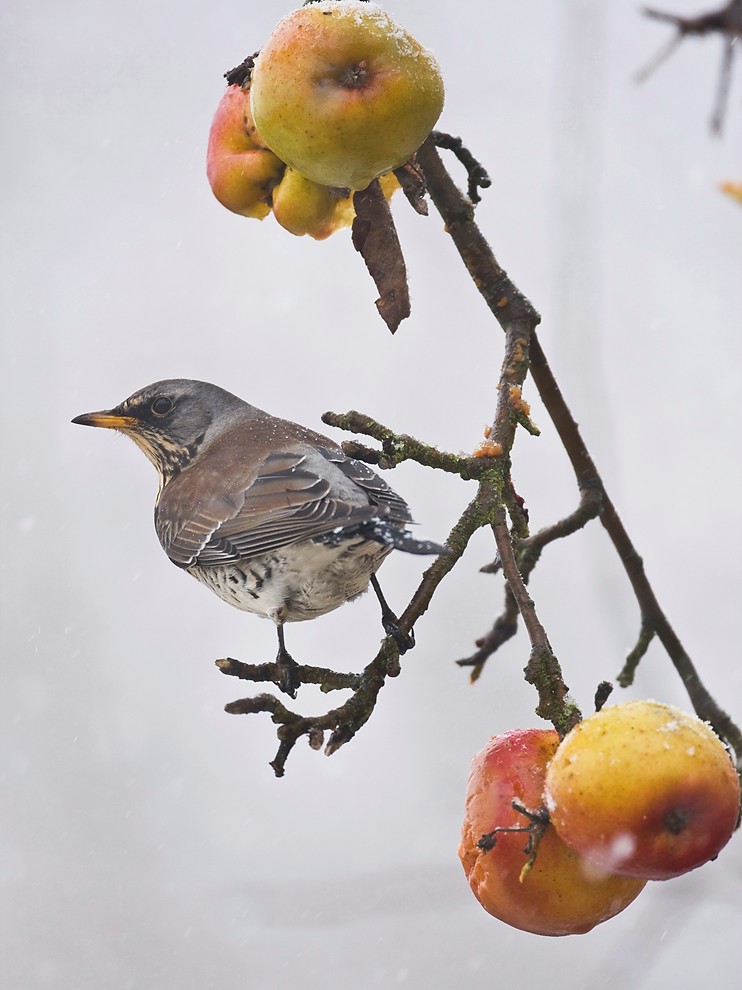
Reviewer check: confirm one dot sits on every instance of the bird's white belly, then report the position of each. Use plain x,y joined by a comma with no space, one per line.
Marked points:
297,582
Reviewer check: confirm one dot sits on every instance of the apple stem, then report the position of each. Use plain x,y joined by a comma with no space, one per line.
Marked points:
538,822
602,693
241,74
354,76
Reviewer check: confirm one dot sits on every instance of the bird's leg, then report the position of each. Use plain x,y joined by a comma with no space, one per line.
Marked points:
405,641
287,679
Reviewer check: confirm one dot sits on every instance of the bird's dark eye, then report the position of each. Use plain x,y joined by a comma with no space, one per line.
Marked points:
161,405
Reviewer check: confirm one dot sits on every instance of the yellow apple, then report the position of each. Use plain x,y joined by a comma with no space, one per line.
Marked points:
343,94
241,170
389,184
305,207
560,894
643,789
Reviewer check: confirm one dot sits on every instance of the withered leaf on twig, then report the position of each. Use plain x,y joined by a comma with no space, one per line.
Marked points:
375,238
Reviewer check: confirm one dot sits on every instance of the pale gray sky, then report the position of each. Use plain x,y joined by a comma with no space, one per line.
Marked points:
144,840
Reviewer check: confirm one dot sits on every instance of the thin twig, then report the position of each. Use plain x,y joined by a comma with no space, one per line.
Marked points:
722,91
476,173
323,677
641,75
626,675
727,21
398,447
342,722
543,669
527,554
503,629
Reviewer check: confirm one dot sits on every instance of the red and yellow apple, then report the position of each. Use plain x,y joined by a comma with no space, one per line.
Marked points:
644,790
560,894
241,170
342,94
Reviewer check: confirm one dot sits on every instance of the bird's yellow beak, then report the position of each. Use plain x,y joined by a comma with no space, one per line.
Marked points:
107,420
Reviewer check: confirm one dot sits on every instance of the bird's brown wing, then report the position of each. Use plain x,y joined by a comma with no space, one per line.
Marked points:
284,502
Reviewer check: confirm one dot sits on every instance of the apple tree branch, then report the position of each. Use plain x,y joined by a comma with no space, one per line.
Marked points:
495,505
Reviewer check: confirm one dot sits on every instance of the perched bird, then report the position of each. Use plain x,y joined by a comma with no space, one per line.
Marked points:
271,516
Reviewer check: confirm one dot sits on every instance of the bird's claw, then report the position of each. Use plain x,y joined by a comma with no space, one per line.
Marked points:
287,674
405,641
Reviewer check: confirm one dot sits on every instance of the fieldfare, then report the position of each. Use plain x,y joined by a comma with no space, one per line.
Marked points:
271,516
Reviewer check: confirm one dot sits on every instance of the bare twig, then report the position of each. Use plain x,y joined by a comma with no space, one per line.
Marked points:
504,628
398,447
726,18
342,722
641,75
543,670
726,21
723,87
503,298
527,553
324,678
476,172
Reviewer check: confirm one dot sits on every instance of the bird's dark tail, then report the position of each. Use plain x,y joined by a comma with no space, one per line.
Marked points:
392,536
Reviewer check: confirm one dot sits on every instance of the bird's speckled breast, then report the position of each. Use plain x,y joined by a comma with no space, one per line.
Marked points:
298,582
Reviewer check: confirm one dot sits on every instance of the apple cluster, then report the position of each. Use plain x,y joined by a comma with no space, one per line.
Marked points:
339,95
249,179
637,792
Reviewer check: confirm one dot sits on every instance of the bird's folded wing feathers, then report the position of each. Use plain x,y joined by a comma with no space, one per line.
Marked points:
285,503
377,489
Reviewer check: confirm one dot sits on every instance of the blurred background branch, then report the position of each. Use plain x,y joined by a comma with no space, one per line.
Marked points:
726,21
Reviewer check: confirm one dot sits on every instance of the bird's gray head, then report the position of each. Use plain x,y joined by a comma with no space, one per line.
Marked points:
169,420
